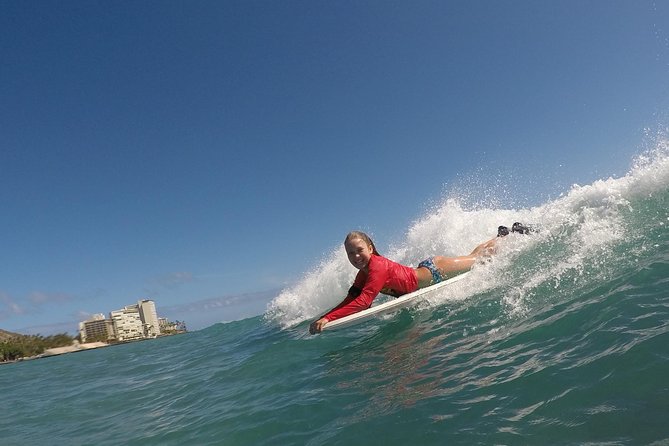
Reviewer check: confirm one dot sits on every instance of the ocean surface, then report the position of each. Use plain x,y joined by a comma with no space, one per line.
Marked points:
561,339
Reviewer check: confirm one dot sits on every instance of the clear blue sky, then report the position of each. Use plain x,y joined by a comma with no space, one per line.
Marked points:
205,153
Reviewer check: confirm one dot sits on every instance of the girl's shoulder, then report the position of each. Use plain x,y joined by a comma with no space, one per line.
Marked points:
378,263
379,259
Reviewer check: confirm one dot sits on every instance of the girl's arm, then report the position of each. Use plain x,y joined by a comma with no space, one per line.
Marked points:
352,304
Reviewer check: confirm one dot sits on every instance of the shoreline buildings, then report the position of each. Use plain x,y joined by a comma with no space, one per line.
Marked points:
132,322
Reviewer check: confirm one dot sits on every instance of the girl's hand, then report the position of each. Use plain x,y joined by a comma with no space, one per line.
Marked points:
317,326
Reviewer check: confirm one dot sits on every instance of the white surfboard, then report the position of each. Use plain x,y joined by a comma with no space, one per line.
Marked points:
391,305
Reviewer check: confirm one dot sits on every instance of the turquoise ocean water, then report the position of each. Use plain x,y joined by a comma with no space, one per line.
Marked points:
562,339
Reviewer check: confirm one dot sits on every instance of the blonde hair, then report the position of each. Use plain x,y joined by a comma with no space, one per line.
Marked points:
362,236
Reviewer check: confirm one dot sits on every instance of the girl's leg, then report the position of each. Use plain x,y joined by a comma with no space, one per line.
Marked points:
447,266
485,249
452,266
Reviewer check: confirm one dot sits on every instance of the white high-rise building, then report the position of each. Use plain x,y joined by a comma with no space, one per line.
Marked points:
149,316
127,323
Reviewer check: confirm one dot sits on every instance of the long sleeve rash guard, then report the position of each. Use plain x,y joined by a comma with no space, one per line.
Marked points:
382,273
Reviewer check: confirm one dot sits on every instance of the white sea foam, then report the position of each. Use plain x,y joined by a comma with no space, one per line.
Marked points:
577,229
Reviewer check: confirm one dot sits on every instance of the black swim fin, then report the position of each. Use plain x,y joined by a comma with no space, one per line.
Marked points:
521,228
517,227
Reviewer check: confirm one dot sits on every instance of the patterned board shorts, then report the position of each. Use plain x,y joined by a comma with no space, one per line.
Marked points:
436,275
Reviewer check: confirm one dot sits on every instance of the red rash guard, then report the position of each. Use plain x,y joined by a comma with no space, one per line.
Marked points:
383,273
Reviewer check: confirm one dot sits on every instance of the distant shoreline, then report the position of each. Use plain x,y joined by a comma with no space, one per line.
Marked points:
77,347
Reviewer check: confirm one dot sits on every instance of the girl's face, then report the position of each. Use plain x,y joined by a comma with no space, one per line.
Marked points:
359,252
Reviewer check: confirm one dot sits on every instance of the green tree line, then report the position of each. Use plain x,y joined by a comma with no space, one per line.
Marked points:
31,345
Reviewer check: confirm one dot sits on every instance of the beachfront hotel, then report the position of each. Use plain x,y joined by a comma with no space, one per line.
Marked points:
97,328
132,322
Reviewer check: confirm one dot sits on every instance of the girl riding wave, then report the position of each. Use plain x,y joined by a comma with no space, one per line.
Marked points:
378,274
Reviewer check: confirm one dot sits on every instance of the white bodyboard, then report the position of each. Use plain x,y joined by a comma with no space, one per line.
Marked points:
391,305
